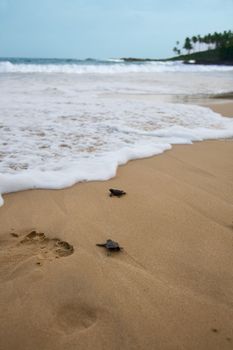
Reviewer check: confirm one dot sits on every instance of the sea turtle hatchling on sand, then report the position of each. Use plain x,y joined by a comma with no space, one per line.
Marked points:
110,245
115,192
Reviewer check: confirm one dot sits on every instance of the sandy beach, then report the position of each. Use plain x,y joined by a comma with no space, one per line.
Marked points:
170,288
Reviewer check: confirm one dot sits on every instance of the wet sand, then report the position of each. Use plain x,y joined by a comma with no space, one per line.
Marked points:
170,288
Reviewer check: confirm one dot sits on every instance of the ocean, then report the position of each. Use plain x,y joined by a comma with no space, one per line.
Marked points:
64,121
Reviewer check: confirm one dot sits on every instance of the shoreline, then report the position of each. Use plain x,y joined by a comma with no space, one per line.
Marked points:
221,104
171,286
224,108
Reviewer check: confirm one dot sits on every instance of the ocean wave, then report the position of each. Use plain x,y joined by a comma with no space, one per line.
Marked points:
66,128
56,151
110,67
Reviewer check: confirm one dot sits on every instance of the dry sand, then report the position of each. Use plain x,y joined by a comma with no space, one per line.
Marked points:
170,288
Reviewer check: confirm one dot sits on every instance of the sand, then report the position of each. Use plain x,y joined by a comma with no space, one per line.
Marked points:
170,288
226,108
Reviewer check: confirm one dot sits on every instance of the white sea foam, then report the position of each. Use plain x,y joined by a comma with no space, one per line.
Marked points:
116,60
117,68
48,150
56,130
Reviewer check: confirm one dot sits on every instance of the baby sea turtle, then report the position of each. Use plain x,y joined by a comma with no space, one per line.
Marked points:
110,245
115,192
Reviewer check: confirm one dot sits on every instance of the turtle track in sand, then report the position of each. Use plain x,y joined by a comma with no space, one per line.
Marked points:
19,254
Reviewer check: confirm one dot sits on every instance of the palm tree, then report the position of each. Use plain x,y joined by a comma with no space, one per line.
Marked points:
175,50
187,45
216,40
209,40
194,40
199,41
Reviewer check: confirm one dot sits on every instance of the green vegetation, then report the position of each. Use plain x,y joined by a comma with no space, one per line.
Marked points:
222,55
216,48
209,41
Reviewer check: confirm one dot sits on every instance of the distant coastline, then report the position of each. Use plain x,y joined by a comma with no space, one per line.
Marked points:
219,56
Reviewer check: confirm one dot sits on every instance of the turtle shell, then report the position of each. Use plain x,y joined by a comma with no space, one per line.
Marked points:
111,245
115,192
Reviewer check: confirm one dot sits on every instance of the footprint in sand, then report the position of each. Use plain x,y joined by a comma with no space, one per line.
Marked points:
76,317
52,246
22,253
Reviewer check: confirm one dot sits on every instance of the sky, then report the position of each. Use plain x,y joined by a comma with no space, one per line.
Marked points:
106,28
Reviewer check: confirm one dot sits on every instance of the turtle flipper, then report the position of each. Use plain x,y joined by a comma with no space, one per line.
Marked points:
101,245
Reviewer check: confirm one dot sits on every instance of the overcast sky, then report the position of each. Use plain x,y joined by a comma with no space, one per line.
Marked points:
106,28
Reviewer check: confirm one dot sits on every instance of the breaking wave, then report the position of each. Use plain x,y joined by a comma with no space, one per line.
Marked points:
112,66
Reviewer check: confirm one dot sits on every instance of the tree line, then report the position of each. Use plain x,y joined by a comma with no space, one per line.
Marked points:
212,41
